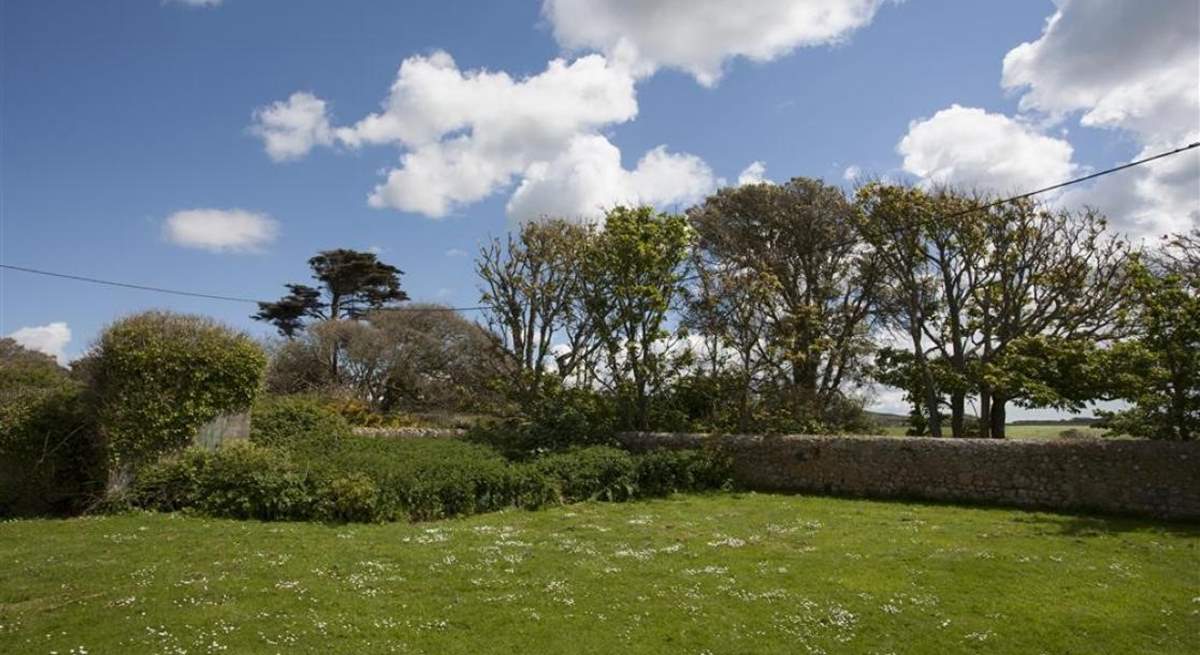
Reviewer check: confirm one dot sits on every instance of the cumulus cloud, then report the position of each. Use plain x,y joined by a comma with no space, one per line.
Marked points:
970,147
220,230
755,173
851,173
51,339
291,128
1112,64
587,178
698,36
464,135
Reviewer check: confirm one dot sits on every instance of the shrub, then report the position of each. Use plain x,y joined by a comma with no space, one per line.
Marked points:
159,376
558,418
663,472
296,421
241,481
595,473
50,462
353,497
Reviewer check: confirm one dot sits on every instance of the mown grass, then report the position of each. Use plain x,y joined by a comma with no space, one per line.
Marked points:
719,573
1038,431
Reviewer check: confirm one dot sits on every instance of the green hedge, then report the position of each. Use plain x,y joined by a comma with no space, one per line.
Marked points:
369,479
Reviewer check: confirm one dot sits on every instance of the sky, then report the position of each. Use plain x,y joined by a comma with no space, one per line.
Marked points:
215,145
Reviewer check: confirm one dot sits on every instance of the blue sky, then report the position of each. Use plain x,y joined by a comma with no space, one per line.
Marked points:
115,116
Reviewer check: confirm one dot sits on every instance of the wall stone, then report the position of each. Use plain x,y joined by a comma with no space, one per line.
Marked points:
1145,478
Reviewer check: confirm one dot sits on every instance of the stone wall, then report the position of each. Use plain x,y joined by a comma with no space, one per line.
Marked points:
1146,478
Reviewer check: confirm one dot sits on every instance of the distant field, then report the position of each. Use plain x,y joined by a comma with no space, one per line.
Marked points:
1034,431
721,573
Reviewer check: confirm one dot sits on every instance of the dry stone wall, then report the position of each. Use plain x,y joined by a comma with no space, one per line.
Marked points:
1146,478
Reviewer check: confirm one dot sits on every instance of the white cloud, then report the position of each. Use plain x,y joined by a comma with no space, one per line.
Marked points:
194,3
220,230
464,135
1122,65
698,36
970,147
51,339
851,173
588,178
755,173
291,128
456,252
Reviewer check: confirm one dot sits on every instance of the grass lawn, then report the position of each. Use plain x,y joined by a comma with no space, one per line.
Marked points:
747,573
1024,431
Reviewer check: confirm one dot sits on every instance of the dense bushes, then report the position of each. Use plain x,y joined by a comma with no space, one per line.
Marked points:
365,479
49,457
555,418
159,376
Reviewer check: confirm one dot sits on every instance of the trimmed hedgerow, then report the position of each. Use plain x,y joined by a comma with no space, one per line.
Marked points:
367,479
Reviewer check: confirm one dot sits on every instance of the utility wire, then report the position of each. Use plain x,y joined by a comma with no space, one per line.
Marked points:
213,296
193,294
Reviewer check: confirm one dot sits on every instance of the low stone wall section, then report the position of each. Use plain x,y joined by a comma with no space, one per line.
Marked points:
1134,477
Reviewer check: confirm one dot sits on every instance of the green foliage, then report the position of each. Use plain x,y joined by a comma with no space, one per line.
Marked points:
558,417
50,459
663,472
370,479
241,481
352,283
159,376
297,422
631,279
1159,371
595,473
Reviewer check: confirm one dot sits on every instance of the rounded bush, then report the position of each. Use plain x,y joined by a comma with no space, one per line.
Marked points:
296,421
159,376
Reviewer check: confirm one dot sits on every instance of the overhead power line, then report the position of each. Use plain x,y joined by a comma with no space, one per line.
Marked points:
213,296
195,294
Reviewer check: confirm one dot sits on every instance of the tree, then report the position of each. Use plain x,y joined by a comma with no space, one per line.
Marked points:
890,223
1159,370
352,283
632,278
790,255
418,357
1052,278
531,287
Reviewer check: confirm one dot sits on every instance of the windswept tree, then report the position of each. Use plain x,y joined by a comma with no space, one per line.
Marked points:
352,283
783,265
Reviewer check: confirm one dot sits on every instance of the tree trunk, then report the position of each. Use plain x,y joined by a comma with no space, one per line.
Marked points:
985,413
998,417
958,403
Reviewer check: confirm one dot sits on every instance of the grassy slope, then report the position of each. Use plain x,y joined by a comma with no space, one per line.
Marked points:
721,574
